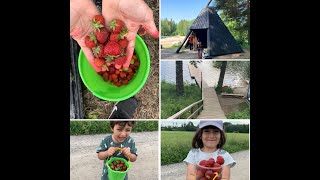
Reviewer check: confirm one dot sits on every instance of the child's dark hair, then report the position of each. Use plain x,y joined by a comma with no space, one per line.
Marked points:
121,123
197,142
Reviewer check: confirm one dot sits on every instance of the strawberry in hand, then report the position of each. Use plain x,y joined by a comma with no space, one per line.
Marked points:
81,13
135,14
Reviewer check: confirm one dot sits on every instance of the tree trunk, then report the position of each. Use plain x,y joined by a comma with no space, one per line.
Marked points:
179,78
222,72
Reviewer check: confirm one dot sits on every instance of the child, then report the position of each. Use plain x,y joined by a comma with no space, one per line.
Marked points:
207,143
119,139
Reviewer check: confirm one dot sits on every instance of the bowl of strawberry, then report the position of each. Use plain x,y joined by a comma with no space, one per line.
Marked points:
209,169
117,168
108,43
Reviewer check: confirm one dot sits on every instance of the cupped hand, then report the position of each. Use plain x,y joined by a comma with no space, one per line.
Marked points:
135,14
81,14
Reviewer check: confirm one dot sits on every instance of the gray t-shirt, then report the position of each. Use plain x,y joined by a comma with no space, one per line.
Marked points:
195,155
108,142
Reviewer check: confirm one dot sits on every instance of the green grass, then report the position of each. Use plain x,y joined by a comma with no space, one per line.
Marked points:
244,112
101,127
175,145
171,103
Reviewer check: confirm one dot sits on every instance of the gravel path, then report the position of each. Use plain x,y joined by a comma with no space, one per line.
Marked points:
239,172
85,165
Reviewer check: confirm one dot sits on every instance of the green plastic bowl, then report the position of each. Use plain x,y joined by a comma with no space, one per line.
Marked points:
104,90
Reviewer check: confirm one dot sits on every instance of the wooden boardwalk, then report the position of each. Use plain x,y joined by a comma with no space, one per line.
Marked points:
211,105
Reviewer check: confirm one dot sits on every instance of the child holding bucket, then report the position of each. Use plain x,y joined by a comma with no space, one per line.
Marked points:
207,143
118,144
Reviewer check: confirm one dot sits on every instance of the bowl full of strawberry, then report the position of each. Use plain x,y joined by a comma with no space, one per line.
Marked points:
117,168
209,169
108,43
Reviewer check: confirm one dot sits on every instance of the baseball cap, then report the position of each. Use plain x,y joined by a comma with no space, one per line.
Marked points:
216,123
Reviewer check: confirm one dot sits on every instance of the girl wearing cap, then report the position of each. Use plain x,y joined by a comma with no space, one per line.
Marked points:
207,143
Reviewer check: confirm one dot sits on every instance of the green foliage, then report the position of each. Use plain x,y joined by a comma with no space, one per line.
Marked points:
168,27
217,64
236,128
183,27
101,127
236,16
244,113
171,104
175,145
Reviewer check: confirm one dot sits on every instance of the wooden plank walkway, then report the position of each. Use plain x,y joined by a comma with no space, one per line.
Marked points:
211,105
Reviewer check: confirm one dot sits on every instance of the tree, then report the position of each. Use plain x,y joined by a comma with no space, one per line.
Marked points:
221,77
179,78
237,10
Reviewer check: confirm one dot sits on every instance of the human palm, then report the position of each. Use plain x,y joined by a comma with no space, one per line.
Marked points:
81,12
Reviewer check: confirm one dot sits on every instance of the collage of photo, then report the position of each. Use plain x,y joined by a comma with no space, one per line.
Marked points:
160,90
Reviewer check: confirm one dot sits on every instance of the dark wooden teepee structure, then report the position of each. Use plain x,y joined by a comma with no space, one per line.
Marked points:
213,34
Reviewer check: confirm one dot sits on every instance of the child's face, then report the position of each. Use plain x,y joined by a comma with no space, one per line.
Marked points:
211,137
120,133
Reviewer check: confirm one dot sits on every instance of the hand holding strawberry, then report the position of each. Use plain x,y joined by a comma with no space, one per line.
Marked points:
81,13
135,14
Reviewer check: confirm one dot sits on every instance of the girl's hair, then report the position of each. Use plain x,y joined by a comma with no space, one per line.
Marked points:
121,123
197,141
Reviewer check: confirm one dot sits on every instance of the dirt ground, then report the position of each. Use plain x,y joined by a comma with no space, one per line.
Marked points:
85,165
185,53
148,106
230,104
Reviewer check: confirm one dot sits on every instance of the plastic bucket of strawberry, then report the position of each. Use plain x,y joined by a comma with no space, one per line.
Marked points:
115,168
207,171
106,91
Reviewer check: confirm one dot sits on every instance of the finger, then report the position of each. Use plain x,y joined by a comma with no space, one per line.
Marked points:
88,53
150,28
130,48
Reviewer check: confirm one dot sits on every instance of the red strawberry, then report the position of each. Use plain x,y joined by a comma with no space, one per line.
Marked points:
200,174
217,167
125,81
203,162
116,25
121,60
114,36
137,63
112,48
118,83
97,22
220,160
209,174
90,40
122,74
123,43
99,61
105,76
112,69
98,50
102,35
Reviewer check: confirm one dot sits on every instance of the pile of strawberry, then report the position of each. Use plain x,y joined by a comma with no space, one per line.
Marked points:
118,165
208,169
108,44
